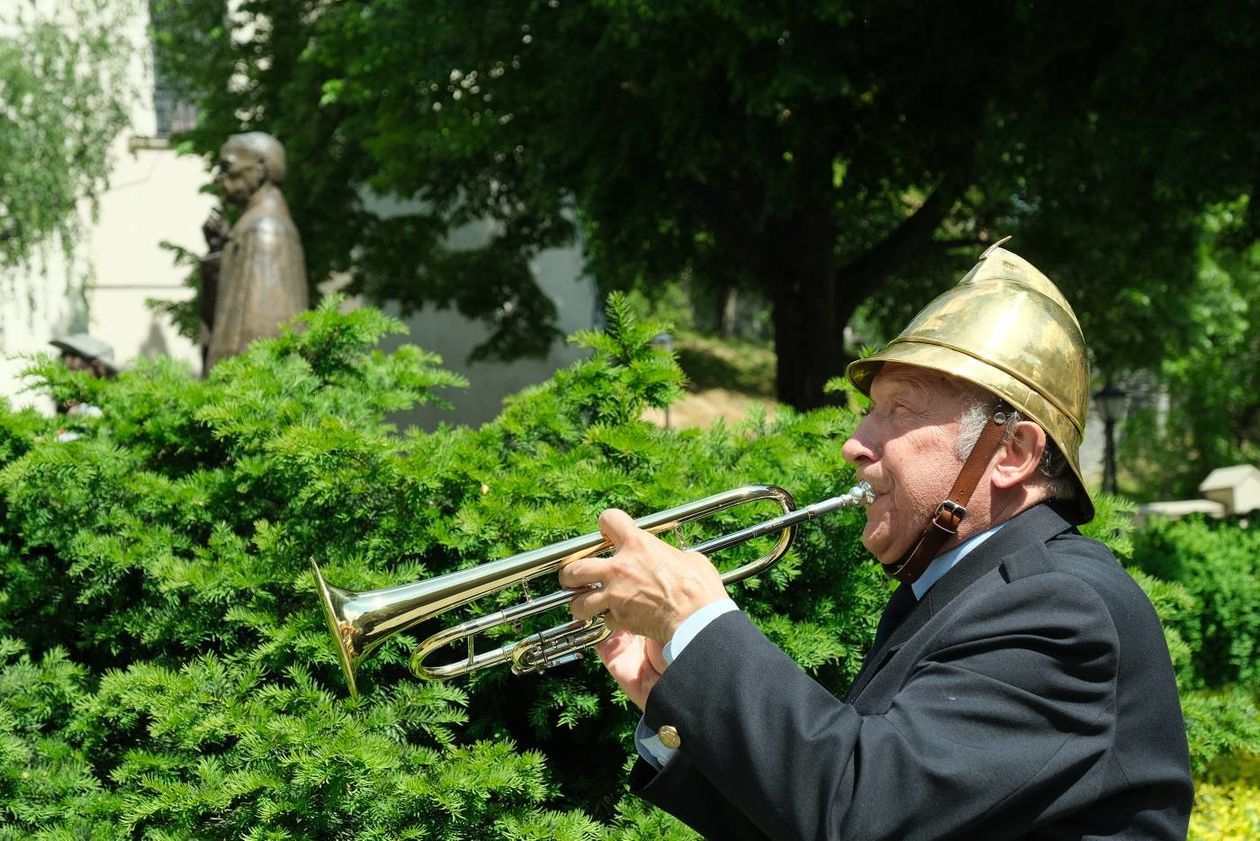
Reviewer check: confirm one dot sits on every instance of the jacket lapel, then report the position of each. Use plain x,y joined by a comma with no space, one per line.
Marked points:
1034,526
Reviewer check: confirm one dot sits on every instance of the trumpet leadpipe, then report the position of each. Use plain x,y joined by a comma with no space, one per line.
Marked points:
859,494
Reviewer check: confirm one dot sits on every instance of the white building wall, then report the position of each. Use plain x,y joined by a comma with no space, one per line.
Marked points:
561,275
153,196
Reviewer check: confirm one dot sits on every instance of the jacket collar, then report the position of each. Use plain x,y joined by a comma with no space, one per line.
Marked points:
1036,526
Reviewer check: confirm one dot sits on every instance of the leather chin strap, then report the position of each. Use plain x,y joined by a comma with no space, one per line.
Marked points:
950,513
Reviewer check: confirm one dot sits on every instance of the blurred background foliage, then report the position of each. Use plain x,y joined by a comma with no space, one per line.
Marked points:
165,670
828,165
65,90
832,159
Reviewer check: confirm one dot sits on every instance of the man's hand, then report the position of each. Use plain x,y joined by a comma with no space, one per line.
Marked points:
648,587
634,662
215,230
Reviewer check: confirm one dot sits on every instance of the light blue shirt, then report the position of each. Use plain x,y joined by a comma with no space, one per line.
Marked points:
650,747
942,564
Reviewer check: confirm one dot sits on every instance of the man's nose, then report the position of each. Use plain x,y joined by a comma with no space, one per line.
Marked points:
859,447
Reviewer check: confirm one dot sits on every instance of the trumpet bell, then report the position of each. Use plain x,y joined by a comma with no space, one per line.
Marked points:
360,621
343,631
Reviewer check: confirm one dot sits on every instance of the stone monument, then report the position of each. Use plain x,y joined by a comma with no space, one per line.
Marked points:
254,276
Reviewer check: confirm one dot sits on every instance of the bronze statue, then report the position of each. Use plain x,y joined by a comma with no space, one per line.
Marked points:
254,277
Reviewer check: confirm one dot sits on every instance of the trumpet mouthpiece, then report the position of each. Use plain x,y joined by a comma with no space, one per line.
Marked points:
863,493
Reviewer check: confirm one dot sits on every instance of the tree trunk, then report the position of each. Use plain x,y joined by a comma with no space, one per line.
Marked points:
815,299
794,259
808,339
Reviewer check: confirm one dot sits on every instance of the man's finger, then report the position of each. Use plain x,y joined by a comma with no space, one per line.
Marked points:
589,604
583,573
615,645
617,526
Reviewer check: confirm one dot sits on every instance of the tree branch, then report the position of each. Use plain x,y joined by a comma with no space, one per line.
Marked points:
958,242
863,274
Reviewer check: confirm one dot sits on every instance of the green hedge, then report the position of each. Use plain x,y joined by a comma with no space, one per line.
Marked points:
1214,621
165,671
1219,564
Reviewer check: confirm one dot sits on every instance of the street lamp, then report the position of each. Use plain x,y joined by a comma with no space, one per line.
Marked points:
666,341
1112,402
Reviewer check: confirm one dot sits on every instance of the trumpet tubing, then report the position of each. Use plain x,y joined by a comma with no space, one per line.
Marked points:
360,621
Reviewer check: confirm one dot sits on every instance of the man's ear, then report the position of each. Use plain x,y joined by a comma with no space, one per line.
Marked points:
1020,456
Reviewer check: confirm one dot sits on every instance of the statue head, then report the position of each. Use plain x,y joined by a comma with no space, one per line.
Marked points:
247,162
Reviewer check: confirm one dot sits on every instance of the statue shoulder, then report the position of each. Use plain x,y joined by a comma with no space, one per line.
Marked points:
267,221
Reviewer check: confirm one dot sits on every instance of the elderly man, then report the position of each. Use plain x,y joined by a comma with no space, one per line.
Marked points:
254,277
1019,685
83,352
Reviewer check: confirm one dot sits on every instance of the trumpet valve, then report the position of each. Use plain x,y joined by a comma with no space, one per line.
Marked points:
557,646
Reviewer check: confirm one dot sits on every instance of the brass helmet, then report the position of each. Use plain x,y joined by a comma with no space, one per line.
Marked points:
1008,329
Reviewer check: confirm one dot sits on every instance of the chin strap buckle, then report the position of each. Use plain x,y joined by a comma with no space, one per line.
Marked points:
949,516
950,513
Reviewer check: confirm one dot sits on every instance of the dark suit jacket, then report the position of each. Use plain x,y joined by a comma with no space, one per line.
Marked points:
1029,695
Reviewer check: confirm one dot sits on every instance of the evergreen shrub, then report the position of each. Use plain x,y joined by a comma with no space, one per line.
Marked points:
165,669
1219,564
1215,620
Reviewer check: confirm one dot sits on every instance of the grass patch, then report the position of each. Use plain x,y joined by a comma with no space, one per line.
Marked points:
734,364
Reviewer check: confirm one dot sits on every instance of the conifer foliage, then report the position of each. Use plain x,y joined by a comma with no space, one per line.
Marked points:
165,668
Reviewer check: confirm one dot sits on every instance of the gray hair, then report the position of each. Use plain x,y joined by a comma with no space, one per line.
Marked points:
268,151
1057,476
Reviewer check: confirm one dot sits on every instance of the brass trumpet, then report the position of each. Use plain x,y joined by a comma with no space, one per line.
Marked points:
360,621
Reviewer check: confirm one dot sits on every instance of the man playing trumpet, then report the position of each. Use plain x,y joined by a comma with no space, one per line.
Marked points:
1019,685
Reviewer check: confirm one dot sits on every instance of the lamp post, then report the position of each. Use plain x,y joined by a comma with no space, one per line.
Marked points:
1111,403
666,341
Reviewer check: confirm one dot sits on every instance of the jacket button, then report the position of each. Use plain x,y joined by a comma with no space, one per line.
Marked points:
669,737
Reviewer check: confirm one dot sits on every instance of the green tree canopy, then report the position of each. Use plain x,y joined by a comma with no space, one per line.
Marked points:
64,89
1211,417
827,153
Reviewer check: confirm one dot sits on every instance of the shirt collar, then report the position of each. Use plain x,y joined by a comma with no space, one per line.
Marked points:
943,563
